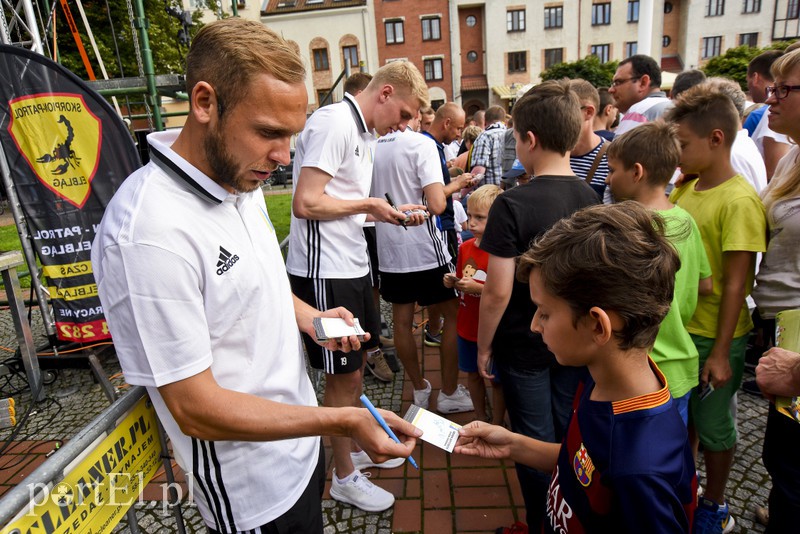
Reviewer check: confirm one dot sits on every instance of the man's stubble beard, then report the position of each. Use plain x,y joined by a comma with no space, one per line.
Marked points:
225,169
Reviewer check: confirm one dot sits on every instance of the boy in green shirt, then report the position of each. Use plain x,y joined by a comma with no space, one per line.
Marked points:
640,165
732,222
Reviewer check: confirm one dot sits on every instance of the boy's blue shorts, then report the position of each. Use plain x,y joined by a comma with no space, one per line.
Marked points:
468,358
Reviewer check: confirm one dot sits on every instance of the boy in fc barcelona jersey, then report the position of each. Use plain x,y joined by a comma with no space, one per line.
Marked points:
602,281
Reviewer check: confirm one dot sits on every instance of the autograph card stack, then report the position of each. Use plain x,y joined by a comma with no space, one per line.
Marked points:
326,328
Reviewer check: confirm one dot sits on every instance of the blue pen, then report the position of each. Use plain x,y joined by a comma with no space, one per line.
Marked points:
366,402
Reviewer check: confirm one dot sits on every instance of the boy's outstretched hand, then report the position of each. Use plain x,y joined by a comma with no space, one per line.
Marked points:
484,440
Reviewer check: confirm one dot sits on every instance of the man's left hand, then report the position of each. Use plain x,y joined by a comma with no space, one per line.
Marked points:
345,344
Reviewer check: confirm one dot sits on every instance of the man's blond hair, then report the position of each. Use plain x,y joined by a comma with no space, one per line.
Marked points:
405,78
230,53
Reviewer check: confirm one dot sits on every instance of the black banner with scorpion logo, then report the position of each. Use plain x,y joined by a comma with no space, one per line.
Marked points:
68,152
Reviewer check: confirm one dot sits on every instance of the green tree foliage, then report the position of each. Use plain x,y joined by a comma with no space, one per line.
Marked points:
589,68
733,63
109,19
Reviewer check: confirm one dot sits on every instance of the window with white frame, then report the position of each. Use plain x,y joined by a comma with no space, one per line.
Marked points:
631,48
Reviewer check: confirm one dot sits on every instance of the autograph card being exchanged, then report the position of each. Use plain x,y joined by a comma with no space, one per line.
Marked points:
436,429
327,328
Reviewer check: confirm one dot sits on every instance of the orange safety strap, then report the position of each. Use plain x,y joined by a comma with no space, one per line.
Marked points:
75,35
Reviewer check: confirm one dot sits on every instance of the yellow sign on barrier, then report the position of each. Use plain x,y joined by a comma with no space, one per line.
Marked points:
94,495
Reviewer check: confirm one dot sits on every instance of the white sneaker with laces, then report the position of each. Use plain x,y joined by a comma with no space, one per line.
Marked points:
361,460
458,402
423,396
361,493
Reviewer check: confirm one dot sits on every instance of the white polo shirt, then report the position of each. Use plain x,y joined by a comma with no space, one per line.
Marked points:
191,278
336,141
405,163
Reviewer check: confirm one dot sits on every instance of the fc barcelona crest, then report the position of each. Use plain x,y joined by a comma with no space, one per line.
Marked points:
583,466
60,138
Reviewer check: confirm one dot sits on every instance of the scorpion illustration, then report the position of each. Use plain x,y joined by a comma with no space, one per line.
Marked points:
63,151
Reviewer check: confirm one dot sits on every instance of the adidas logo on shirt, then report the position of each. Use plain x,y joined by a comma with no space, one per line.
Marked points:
226,261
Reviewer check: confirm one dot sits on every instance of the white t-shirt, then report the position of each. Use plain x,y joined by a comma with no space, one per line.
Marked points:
405,163
460,216
336,141
763,130
747,161
451,150
191,278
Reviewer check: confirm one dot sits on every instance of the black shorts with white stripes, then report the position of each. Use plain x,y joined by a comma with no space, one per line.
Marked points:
353,294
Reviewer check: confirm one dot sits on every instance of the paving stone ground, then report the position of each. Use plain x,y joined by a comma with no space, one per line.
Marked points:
75,398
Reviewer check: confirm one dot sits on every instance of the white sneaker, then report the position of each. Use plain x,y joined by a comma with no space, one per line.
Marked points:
361,493
361,460
459,401
423,396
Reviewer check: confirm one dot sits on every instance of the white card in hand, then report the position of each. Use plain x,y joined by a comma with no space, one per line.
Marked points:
327,328
436,430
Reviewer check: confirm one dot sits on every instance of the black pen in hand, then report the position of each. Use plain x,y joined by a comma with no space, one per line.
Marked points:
393,205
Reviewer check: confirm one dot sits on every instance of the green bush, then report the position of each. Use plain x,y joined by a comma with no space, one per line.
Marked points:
733,63
588,68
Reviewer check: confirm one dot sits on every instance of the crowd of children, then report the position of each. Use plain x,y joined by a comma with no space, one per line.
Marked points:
650,298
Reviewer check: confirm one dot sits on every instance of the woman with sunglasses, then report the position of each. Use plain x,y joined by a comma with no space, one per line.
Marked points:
778,287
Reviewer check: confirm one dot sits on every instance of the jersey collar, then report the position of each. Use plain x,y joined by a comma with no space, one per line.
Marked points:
650,400
358,117
162,155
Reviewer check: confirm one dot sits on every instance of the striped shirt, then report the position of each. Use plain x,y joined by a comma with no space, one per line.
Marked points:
581,165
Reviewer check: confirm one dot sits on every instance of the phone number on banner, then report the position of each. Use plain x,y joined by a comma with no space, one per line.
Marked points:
93,331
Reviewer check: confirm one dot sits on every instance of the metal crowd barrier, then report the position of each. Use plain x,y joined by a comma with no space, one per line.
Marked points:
93,480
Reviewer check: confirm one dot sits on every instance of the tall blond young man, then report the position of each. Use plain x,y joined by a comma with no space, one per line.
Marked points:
327,261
